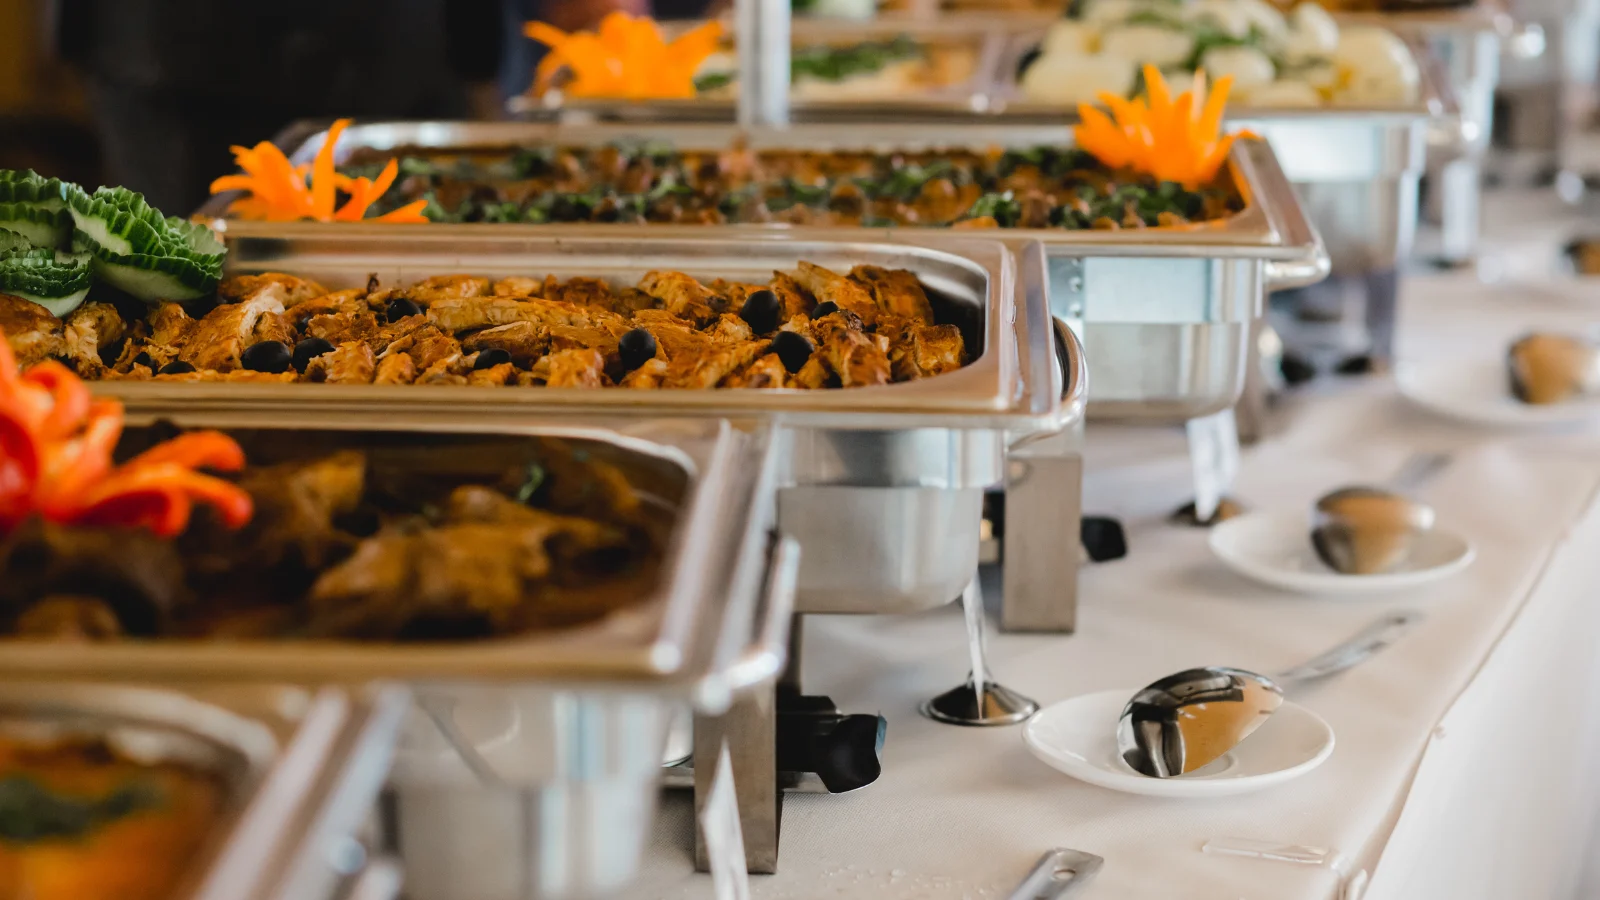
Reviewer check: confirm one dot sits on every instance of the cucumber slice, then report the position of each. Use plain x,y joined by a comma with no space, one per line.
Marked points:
138,250
55,280
34,207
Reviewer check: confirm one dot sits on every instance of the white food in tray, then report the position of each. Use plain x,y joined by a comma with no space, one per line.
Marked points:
1303,60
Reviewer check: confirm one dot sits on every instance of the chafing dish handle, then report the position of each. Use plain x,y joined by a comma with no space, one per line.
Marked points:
1295,231
765,659
1074,369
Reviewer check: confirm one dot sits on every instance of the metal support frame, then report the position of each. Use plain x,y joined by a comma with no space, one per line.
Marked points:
1040,553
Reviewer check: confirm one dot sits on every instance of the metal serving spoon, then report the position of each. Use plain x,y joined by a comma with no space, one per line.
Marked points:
1191,719
1545,368
1369,530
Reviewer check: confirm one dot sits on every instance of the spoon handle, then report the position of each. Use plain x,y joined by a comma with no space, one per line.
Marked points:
1417,470
1364,644
1059,874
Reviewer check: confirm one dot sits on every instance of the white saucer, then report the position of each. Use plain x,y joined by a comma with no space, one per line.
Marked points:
1079,737
1275,549
1477,391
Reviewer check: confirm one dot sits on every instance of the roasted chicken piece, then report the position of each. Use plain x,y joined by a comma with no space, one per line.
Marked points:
225,332
831,287
896,291
572,368
274,327
69,618
138,576
476,574
765,372
285,290
852,355
91,329
339,327
34,334
519,286
680,295
296,505
525,341
348,363
396,369
347,301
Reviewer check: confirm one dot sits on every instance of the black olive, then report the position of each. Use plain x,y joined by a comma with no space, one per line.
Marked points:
793,348
267,356
761,309
825,308
143,359
488,359
636,348
400,307
176,367
309,349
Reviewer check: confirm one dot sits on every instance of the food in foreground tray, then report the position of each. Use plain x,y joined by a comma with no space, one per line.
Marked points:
80,820
1302,59
811,328
385,537
1039,187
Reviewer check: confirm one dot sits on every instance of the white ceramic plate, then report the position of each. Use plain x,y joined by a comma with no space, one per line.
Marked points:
1275,549
1477,391
1079,737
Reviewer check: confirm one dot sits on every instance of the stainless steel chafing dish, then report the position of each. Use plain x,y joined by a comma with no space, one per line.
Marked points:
556,733
285,758
985,43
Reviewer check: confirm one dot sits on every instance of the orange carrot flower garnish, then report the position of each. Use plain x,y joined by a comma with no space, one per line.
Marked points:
627,58
1171,140
280,192
56,443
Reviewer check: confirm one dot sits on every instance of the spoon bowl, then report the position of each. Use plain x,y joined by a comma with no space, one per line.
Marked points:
1188,720
1367,531
1191,719
1545,368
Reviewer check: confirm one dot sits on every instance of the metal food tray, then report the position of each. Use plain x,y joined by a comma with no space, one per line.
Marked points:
279,752
1355,168
689,635
1163,311
882,485
987,44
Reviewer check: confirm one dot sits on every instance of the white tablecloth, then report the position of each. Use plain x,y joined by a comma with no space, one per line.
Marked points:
1464,759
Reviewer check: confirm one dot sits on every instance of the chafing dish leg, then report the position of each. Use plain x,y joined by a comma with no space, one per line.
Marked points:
750,729
1043,514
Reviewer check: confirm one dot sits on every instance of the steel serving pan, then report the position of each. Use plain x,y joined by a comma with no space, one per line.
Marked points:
1270,227
714,482
985,43
974,282
273,748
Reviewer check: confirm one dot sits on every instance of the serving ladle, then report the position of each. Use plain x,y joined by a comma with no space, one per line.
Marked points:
1191,719
1545,368
1370,530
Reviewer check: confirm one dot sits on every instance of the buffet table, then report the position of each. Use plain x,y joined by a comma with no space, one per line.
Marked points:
1462,762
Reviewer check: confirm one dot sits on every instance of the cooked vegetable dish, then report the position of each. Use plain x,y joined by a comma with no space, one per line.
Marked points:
812,328
1043,187
867,70
398,537
79,821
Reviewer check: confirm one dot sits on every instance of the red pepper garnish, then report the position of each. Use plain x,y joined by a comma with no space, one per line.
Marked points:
56,445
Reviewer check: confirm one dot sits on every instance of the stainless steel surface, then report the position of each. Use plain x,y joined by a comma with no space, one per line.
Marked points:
557,801
1190,719
1553,368
274,750
749,731
1061,873
761,28
1370,530
715,480
981,701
